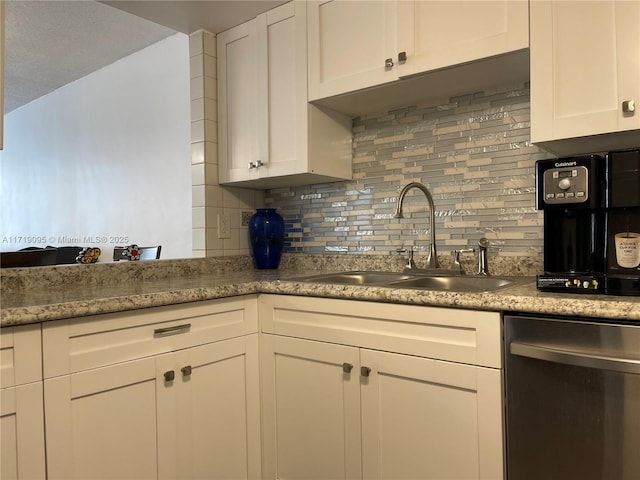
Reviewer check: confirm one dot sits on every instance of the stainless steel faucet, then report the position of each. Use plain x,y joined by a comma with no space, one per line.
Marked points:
432,259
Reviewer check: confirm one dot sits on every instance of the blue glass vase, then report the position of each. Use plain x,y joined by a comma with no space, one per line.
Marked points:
266,234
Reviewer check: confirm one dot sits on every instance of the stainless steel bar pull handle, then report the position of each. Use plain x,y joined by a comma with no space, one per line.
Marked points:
579,359
162,332
365,371
347,367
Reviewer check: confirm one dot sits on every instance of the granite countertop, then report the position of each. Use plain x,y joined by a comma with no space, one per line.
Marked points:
31,305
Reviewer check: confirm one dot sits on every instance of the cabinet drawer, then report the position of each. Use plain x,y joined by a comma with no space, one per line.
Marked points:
463,336
20,355
82,343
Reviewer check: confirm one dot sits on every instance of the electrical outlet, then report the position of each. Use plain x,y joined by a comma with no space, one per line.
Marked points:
246,217
224,225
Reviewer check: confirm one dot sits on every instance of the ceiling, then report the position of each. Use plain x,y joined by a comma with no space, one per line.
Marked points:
49,44
187,16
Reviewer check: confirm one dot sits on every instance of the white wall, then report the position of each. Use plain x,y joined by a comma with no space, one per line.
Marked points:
104,157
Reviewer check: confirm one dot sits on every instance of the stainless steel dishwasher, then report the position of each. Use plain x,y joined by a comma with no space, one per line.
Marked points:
572,399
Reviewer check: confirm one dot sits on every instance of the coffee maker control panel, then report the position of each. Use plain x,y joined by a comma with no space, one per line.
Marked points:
566,185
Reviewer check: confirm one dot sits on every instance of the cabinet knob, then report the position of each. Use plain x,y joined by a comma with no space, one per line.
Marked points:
402,57
629,106
169,376
186,371
388,63
256,164
365,371
347,367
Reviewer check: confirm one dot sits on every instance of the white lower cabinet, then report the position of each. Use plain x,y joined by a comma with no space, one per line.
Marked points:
311,409
186,405
335,408
429,419
21,413
22,432
98,416
325,389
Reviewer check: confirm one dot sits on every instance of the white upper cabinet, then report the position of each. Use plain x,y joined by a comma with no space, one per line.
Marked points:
349,45
437,34
237,102
585,69
356,45
269,136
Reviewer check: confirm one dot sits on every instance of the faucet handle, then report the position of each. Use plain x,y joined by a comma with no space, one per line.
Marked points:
456,253
410,263
456,257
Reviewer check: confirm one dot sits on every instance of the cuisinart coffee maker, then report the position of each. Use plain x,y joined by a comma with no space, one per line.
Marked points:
591,210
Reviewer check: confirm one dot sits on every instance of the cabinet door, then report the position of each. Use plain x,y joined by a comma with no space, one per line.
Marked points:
282,88
579,79
430,419
311,408
218,410
22,432
237,103
101,423
348,44
437,34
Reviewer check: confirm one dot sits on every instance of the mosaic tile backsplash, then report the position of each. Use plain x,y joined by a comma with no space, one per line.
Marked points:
473,154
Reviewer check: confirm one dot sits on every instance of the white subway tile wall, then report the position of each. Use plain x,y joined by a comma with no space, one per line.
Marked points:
210,200
474,155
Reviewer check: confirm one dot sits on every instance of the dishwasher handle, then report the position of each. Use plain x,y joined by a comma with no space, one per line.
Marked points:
580,359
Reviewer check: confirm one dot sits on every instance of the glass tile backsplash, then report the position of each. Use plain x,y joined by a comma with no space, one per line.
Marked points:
472,153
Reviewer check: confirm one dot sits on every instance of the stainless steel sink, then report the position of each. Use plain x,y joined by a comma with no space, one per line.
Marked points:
456,283
357,278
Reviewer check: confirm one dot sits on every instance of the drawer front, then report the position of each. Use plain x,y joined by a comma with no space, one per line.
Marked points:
464,336
20,355
82,343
